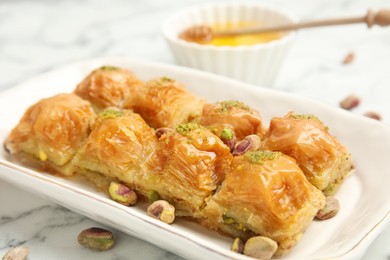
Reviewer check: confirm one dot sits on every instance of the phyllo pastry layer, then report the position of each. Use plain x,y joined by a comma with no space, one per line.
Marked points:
164,102
232,114
119,144
322,158
265,194
108,86
192,162
52,130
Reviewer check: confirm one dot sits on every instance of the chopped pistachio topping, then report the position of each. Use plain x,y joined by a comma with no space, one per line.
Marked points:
185,129
163,80
305,116
227,134
225,106
257,157
110,113
109,68
166,80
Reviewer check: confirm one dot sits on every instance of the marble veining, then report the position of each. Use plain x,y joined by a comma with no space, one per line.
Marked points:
38,36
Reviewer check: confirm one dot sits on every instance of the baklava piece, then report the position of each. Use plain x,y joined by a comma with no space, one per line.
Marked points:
265,194
118,145
51,131
189,164
234,115
108,87
323,159
164,102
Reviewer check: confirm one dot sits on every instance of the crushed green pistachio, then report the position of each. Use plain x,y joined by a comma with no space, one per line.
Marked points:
329,189
225,106
110,113
227,134
228,220
231,221
109,68
309,116
305,116
42,155
164,80
152,195
185,129
257,157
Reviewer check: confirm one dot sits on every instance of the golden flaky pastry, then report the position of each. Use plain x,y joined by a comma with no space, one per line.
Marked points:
108,86
189,164
163,102
265,194
117,147
52,130
322,158
232,114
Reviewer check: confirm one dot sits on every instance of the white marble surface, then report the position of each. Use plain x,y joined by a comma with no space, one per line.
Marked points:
37,36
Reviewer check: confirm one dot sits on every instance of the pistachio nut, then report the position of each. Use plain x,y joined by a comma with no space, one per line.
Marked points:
229,138
331,208
238,245
152,195
122,194
95,238
249,143
162,210
260,247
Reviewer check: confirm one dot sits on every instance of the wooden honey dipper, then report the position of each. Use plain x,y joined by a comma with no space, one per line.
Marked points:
204,34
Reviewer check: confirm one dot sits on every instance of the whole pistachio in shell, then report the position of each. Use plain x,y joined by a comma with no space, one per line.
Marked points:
97,239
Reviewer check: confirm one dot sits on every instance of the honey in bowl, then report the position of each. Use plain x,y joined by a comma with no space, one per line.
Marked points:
245,39
214,34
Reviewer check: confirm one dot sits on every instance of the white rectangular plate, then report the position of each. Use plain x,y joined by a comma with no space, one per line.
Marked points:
364,196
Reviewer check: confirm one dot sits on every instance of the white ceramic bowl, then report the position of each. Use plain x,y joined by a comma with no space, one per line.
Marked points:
257,64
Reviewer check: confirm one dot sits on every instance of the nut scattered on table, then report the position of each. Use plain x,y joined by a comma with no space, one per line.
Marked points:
17,253
331,208
373,115
162,210
97,239
238,245
349,58
350,102
260,247
122,194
